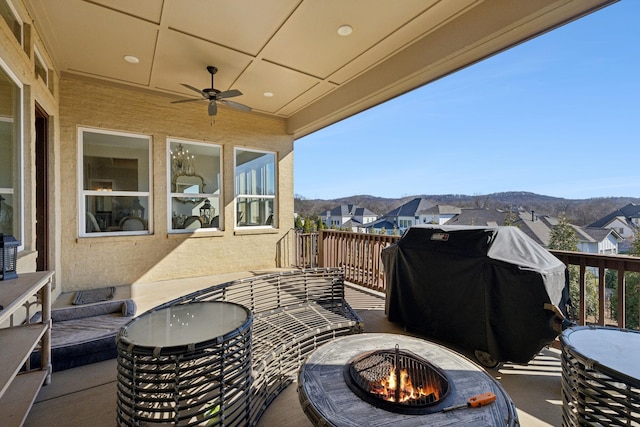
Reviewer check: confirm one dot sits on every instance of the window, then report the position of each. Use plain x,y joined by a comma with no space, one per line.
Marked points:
11,17
41,68
255,186
405,223
114,180
10,154
195,180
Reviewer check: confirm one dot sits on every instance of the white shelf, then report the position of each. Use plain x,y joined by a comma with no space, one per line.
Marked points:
15,292
16,403
17,345
18,388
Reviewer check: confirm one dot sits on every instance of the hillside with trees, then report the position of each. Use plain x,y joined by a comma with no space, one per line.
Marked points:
577,211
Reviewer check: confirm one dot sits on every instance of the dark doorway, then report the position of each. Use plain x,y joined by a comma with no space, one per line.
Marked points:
42,188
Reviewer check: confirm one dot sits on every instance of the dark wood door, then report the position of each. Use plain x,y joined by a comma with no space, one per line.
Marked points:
42,188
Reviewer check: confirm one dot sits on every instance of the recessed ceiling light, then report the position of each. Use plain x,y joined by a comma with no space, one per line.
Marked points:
345,30
131,59
268,94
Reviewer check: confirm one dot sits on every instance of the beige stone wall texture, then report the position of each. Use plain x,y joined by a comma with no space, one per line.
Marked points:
94,262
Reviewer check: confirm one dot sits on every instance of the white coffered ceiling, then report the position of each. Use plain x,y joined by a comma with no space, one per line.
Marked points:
290,48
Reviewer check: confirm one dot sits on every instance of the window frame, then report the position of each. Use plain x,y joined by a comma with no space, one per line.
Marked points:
236,195
38,58
20,154
171,194
19,20
82,193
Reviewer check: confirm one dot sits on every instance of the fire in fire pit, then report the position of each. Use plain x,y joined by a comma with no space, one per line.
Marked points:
397,380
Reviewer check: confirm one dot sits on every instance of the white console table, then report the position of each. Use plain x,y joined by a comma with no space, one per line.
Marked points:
18,386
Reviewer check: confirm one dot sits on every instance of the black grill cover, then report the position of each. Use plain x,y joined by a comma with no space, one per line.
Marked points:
491,289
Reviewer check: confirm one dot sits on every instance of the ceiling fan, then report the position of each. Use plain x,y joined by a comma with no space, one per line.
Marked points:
214,95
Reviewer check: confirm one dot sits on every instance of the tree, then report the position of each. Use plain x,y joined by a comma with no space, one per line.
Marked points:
307,224
635,248
563,238
511,218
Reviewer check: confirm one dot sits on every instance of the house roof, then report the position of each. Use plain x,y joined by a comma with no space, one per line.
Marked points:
479,217
441,210
600,234
411,208
351,223
380,224
349,210
537,227
627,212
288,48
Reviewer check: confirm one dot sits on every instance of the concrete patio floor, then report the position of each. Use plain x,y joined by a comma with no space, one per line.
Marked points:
86,396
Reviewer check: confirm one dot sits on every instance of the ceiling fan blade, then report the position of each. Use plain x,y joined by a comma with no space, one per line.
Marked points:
213,108
186,100
235,105
228,94
195,89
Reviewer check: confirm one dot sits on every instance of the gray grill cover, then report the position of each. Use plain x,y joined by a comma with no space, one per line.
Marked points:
482,288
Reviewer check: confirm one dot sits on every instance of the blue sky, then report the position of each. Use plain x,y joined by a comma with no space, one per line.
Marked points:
558,115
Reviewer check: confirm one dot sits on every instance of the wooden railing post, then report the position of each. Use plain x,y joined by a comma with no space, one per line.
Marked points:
320,248
582,316
622,299
601,293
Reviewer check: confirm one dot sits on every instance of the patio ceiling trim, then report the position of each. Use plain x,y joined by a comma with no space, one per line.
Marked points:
444,51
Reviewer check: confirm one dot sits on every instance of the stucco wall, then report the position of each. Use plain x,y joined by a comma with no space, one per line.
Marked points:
93,262
19,62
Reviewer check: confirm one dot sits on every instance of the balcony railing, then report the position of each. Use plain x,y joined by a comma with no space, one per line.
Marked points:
359,255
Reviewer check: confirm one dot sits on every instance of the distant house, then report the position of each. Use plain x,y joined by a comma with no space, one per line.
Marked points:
625,221
598,240
382,225
408,214
469,216
416,211
349,216
438,214
539,228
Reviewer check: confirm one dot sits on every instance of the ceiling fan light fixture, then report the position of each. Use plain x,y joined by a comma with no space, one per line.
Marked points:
131,59
345,30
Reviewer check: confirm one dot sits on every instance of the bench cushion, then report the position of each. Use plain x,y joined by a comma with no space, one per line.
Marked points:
86,334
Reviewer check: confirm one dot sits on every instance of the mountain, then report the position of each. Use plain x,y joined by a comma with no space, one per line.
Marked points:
578,211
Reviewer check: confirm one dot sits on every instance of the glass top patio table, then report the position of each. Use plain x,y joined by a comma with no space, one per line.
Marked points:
185,324
185,364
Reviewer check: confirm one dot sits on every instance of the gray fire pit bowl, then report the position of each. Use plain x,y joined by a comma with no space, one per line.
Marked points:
328,401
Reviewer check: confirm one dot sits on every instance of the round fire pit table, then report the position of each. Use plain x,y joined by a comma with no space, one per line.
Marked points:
328,400
600,376
186,364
